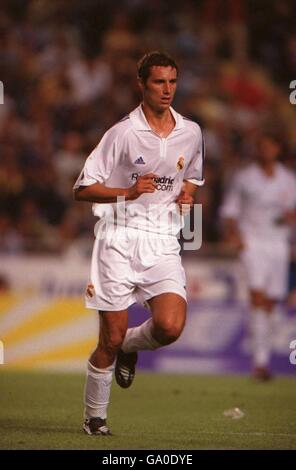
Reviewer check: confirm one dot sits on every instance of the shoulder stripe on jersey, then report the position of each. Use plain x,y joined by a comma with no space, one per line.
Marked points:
123,119
203,151
190,120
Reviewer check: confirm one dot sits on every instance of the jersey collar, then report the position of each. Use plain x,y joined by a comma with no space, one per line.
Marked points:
140,123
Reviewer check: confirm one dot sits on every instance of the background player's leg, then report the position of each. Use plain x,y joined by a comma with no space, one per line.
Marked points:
113,326
261,331
165,326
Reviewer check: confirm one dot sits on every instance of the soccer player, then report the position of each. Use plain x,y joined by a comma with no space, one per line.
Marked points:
258,210
153,158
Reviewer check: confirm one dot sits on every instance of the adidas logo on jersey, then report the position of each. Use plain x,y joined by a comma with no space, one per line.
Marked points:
139,161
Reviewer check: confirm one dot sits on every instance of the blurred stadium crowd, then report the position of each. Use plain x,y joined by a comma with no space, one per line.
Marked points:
69,73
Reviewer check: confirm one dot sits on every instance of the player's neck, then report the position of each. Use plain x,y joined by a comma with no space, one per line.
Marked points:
161,122
268,168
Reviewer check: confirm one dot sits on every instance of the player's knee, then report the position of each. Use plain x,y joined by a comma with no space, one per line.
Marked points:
168,333
114,343
171,335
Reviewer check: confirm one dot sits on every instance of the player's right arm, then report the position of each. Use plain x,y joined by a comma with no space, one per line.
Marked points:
103,162
100,193
230,213
231,233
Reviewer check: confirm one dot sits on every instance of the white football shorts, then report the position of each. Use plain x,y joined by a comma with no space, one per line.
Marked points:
267,266
130,266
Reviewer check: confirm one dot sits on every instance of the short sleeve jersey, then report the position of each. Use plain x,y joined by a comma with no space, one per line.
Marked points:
258,201
131,149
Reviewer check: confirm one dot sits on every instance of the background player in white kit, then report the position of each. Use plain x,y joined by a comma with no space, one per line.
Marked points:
152,157
258,211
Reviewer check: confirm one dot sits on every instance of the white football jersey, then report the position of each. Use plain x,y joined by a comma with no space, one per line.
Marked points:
258,201
131,149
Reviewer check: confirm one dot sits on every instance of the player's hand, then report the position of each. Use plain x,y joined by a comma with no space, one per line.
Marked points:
144,184
287,218
234,243
185,202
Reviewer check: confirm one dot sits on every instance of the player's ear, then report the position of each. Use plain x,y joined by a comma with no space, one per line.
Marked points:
141,84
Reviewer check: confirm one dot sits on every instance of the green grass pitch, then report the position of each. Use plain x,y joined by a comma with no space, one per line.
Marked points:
160,411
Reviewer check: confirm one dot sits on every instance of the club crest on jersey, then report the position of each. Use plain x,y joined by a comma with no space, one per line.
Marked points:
140,161
180,163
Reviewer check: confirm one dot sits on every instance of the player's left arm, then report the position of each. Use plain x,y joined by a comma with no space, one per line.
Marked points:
288,217
194,174
190,188
186,197
188,191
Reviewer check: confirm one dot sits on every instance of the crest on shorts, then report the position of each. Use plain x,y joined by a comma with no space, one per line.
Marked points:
180,163
90,290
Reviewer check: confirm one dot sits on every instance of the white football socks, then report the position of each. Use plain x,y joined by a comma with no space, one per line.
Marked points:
262,337
98,381
140,338
97,391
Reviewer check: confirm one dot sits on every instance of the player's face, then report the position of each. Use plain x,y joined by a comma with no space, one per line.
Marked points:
160,87
269,150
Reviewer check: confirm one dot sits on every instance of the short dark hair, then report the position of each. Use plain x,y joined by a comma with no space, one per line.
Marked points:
154,58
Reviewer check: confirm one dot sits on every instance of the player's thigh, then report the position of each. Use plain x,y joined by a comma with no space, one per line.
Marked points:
111,276
167,275
168,311
256,266
278,273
